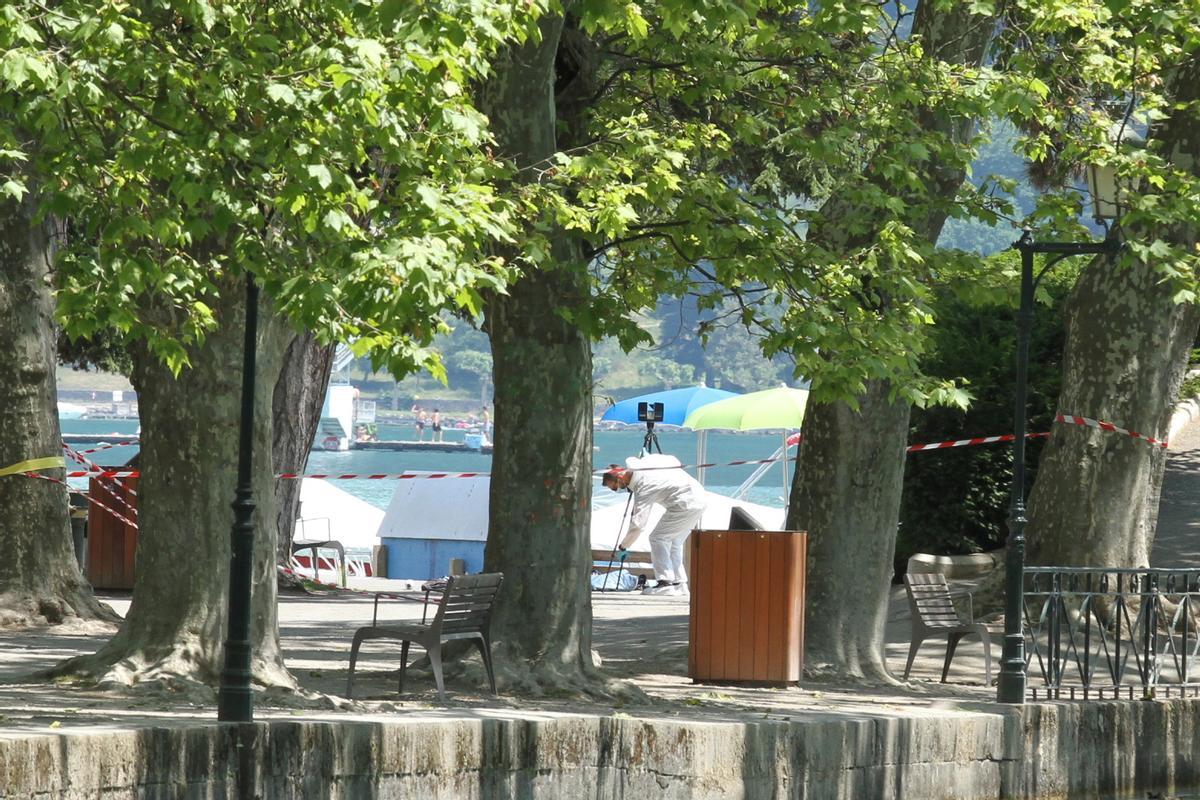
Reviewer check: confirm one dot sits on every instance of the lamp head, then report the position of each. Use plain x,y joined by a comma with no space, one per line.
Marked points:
1108,190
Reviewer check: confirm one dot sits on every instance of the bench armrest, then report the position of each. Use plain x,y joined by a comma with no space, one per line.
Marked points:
399,596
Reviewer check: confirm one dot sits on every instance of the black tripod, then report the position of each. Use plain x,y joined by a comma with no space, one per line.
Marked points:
650,442
613,555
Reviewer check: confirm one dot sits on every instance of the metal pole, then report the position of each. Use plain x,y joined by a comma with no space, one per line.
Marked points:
1010,687
612,556
235,701
783,459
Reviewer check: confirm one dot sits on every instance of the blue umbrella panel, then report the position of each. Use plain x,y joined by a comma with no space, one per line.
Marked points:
677,404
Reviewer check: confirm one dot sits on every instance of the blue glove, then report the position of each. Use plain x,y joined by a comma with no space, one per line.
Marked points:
622,554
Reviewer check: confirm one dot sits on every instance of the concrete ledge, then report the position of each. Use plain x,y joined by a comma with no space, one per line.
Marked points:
956,567
1185,412
1039,751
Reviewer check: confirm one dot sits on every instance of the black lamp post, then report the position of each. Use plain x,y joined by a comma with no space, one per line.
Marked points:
1104,187
1011,684
235,701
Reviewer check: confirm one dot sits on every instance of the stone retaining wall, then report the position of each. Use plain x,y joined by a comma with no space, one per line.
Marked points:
1045,751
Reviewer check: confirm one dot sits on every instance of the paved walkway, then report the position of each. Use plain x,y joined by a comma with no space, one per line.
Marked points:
643,639
1177,540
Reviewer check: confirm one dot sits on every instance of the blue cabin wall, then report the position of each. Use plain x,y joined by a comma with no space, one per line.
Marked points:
422,559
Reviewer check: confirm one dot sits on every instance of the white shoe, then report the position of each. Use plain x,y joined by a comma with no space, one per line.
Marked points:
663,588
681,590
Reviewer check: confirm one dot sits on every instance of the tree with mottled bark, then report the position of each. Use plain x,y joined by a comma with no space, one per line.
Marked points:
40,582
327,150
849,475
296,415
1131,322
175,630
540,503
611,142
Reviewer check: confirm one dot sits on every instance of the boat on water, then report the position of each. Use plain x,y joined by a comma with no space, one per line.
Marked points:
70,410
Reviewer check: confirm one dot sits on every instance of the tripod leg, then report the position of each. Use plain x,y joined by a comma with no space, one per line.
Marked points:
613,555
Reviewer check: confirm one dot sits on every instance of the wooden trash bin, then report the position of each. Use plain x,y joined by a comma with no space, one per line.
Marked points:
112,543
747,607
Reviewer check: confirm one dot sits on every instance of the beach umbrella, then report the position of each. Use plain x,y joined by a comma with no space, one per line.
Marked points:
781,408
772,408
677,404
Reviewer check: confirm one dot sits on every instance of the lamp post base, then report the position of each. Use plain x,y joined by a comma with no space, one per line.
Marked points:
1010,685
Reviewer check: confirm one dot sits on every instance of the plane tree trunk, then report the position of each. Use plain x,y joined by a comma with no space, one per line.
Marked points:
1095,499
539,526
295,417
175,630
540,502
846,494
849,474
40,582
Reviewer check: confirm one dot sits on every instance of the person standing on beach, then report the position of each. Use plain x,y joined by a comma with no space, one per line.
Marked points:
420,424
486,420
660,479
436,424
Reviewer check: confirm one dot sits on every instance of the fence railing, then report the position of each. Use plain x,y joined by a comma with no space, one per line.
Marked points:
1098,631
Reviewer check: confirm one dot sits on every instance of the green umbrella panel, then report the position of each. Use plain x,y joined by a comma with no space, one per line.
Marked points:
781,408
773,408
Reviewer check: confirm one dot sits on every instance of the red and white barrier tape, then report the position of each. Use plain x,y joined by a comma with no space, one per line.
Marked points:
1108,426
794,439
1066,419
94,501
107,446
106,484
400,476
75,455
1008,437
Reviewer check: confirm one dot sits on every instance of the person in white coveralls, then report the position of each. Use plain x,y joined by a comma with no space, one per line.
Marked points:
660,479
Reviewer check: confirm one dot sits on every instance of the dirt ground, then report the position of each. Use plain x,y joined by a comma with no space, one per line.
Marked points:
639,639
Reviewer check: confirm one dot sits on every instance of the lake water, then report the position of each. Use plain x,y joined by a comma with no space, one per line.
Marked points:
612,447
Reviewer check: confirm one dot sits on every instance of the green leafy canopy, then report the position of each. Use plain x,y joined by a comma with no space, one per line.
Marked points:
328,148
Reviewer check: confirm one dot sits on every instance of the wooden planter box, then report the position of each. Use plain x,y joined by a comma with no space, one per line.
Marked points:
111,543
747,608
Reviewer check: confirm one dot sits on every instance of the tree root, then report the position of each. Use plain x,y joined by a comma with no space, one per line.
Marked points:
28,610
290,582
181,671
863,674
167,679
542,679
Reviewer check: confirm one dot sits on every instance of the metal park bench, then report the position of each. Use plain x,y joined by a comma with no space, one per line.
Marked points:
933,614
463,613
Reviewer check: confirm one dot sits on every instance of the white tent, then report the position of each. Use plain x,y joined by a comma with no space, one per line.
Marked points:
327,512
438,508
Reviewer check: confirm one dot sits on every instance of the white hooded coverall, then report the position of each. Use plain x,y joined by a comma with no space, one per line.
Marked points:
683,498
